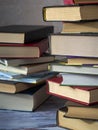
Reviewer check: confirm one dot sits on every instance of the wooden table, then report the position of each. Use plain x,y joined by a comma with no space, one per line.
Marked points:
44,118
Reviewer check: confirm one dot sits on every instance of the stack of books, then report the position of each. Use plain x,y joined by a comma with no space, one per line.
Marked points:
77,79
24,60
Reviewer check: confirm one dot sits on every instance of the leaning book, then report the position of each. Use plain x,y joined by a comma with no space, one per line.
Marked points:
27,100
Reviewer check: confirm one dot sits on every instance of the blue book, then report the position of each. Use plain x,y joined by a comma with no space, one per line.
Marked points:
33,78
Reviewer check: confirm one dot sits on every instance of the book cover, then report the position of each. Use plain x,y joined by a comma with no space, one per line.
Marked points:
76,110
74,123
71,12
24,33
32,50
86,95
27,100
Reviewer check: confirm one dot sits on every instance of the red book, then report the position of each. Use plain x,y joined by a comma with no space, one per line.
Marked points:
80,1
80,94
68,2
32,50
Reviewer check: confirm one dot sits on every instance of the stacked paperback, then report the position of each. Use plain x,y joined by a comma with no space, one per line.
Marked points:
78,74
24,60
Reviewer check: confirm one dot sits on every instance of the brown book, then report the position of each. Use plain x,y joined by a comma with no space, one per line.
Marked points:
74,123
80,26
70,44
70,12
85,1
77,110
15,87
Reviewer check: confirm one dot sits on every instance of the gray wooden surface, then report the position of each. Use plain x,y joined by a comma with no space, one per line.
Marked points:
44,118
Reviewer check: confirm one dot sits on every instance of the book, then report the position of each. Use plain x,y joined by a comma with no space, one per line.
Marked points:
76,69
86,1
32,50
73,79
82,61
86,95
27,100
24,61
14,87
24,33
76,110
31,78
73,123
70,12
68,2
80,1
80,26
26,69
83,44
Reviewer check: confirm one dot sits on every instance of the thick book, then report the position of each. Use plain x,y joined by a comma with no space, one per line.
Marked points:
76,69
14,87
31,78
27,100
26,69
80,26
74,44
24,61
74,123
31,50
76,110
82,61
73,79
81,94
24,33
70,12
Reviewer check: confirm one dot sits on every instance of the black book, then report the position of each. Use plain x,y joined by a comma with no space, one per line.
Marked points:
24,33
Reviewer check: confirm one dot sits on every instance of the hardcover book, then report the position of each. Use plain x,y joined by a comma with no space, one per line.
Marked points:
81,94
24,33
73,79
27,100
76,110
14,87
74,44
74,123
24,61
76,69
31,50
80,26
70,12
